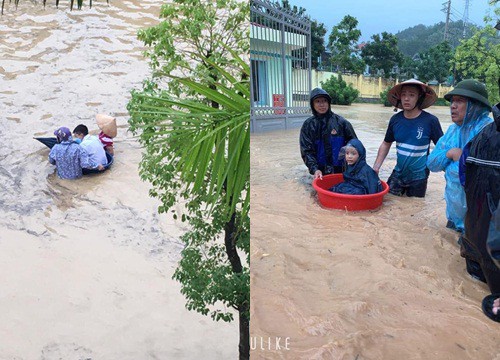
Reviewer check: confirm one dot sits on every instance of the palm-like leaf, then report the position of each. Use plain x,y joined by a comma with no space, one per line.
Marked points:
212,143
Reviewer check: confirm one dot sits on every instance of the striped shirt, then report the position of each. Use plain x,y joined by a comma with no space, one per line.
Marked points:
413,138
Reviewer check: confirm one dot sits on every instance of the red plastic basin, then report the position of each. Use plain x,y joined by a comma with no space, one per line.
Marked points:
347,202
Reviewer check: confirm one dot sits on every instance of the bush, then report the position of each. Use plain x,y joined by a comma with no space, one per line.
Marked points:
441,102
383,100
341,93
383,97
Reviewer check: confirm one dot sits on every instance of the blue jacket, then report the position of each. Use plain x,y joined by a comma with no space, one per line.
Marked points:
360,178
70,158
457,136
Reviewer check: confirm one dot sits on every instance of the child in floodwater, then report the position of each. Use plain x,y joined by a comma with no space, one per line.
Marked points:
359,177
108,127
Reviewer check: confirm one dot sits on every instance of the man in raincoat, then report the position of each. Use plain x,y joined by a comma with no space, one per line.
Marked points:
322,135
469,112
481,242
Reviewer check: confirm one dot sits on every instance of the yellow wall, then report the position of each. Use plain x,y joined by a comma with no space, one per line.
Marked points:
368,87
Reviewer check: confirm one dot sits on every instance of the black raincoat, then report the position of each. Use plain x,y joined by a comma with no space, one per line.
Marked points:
482,189
360,178
322,136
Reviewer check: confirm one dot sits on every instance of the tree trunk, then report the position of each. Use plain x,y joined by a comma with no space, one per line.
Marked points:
230,243
244,345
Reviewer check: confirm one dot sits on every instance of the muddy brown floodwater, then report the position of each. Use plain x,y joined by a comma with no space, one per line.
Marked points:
383,284
86,265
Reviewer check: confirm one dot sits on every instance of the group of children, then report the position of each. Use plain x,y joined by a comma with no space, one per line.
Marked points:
328,144
78,151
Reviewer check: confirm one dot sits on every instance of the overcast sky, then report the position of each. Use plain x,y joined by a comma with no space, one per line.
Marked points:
392,16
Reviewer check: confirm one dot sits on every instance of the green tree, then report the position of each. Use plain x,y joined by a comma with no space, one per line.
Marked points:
479,58
382,53
318,31
435,63
297,10
340,92
197,26
407,69
192,117
384,99
342,44
420,38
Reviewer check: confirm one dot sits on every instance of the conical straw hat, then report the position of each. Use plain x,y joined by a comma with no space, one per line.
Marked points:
107,124
394,95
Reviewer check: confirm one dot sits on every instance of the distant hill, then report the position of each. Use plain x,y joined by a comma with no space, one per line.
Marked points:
419,38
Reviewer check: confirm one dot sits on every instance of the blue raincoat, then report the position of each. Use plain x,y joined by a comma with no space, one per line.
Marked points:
457,136
360,178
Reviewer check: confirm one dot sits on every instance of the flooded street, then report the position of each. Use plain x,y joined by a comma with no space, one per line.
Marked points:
86,264
383,284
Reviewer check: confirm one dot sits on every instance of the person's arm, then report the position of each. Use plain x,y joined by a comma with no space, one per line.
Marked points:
86,162
436,131
438,159
371,180
454,154
493,239
308,151
110,149
462,163
52,156
383,150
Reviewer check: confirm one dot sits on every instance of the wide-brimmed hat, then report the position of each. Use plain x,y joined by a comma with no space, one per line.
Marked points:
394,95
472,89
107,124
62,134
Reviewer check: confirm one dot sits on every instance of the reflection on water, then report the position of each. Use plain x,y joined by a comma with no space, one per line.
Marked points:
90,257
382,284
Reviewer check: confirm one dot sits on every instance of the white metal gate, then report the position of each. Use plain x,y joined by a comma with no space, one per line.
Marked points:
280,56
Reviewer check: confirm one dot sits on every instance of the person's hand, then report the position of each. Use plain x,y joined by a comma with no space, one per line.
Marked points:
100,167
454,154
318,174
496,306
376,168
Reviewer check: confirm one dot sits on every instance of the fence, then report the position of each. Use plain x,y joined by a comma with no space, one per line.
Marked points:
280,48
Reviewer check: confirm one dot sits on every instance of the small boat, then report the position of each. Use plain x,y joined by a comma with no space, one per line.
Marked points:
51,141
347,202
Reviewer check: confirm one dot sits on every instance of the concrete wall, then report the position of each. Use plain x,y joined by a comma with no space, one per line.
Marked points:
368,87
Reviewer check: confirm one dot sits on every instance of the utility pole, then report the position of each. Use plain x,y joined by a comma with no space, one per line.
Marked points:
447,9
466,17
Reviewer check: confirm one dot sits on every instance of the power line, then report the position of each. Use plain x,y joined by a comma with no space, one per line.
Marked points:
455,11
447,19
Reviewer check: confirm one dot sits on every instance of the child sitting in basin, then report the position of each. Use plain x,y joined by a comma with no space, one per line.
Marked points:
359,177
108,127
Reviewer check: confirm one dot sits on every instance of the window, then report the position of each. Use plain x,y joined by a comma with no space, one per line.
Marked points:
259,83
